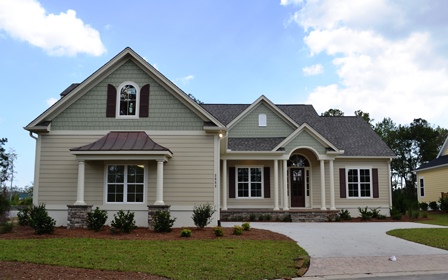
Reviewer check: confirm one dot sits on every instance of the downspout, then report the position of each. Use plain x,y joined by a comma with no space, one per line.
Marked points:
36,170
390,183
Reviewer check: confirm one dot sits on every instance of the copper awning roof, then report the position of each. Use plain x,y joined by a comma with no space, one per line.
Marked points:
123,141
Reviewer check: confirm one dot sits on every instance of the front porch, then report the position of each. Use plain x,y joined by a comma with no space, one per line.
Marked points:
291,215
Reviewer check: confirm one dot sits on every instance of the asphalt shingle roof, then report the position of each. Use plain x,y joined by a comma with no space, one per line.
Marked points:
443,160
254,144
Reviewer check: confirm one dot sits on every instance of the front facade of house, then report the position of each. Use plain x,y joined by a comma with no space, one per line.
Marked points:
127,138
432,177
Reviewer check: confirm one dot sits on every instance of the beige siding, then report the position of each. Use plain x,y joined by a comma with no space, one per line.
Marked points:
436,182
188,176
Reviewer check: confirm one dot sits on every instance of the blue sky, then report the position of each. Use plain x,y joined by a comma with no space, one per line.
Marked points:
387,58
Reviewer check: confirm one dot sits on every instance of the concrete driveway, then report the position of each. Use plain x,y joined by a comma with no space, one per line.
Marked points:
356,249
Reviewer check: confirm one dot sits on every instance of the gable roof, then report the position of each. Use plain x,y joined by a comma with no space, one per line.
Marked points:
75,91
438,162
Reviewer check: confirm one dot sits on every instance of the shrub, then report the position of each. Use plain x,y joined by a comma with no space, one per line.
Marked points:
245,226
395,213
423,206
375,212
443,204
123,222
268,217
96,219
237,230
433,205
162,221
425,215
287,218
40,221
381,217
202,215
344,214
6,227
24,216
218,231
5,206
366,214
252,217
413,214
185,233
261,218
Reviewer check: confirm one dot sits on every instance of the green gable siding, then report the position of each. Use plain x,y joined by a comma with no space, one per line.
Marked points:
248,126
304,139
165,111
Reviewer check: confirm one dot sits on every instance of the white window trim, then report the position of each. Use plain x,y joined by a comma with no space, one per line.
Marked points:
145,174
262,182
359,187
137,102
420,186
262,120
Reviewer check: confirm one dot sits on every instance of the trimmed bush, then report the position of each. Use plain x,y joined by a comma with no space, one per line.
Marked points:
185,233
237,230
162,221
40,221
433,205
24,216
423,206
123,222
218,231
443,204
96,219
245,226
202,215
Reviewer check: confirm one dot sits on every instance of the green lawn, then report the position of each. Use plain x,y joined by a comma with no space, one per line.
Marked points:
434,237
186,259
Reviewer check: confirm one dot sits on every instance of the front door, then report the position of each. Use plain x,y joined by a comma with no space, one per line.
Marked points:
297,183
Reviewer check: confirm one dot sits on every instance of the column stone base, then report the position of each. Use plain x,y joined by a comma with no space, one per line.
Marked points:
152,209
77,216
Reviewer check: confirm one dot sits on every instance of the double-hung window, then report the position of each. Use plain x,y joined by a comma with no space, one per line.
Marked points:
359,182
128,100
422,187
249,182
125,183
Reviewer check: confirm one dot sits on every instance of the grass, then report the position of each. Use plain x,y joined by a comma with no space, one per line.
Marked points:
434,237
195,259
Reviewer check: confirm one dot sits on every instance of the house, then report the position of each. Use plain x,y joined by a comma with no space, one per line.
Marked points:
127,138
432,177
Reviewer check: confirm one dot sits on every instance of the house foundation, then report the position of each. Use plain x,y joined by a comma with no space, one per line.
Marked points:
152,209
294,215
77,216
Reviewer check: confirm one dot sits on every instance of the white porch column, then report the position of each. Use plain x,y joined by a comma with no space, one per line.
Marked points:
224,184
81,179
276,185
159,190
322,185
332,204
285,186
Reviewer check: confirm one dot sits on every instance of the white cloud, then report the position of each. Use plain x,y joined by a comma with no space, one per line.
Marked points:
290,2
51,101
315,69
399,72
186,79
62,34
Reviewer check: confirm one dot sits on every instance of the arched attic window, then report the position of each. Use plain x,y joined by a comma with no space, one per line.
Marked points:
127,101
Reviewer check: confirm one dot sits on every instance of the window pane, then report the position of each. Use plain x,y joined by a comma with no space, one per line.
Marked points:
255,174
115,174
353,190
243,174
364,175
128,97
255,189
352,175
115,193
243,190
365,190
135,193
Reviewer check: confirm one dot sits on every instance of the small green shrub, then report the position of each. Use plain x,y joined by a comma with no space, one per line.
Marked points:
423,206
268,217
395,214
366,214
237,230
123,222
375,212
261,218
218,231
425,215
245,226
381,217
413,214
433,205
6,227
185,233
202,215
287,218
162,221
24,216
96,219
252,217
344,215
443,204
40,221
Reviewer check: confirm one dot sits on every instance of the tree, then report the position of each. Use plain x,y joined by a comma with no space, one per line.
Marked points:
195,99
4,163
365,116
333,113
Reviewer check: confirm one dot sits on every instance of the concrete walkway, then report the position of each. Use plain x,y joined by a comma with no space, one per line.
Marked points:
355,249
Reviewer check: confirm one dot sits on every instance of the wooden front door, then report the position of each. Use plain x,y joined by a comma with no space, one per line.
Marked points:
297,183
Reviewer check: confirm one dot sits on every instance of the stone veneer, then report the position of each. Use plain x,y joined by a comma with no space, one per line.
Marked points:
305,215
77,216
152,209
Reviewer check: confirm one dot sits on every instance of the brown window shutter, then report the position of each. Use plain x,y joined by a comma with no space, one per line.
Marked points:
231,182
376,192
267,182
144,101
342,183
111,101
